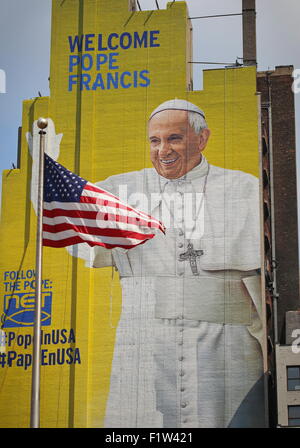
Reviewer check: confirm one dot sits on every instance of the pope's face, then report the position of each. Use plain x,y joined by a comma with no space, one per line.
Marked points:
175,148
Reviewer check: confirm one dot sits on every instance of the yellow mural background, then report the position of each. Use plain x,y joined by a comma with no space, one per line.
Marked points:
104,133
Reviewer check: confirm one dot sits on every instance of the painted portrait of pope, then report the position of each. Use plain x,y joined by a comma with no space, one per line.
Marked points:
188,350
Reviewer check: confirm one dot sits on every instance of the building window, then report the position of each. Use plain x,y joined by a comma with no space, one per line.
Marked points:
294,415
293,378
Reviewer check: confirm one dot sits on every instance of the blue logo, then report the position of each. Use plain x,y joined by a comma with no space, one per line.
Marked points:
19,310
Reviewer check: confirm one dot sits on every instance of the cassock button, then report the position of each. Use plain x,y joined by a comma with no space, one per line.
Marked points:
180,358
180,245
184,405
181,373
180,233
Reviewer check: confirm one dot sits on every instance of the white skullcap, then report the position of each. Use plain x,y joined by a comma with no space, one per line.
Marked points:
177,104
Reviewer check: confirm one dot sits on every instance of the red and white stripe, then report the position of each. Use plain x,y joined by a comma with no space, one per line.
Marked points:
99,219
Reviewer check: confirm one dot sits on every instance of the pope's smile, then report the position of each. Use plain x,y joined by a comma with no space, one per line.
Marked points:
168,162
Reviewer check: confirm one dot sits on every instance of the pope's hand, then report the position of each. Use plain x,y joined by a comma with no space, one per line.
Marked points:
53,140
52,149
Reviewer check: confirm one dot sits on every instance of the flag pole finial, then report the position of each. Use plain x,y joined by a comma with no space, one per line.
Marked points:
42,123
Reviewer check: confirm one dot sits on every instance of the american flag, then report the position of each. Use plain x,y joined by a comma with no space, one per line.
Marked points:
76,211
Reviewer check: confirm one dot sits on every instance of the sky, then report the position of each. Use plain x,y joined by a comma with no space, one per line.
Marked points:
25,30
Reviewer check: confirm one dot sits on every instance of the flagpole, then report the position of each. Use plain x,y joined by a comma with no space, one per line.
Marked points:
36,355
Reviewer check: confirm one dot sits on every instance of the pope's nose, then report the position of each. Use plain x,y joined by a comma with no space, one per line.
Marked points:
165,150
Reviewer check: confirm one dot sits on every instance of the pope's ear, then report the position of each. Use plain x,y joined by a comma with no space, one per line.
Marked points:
204,136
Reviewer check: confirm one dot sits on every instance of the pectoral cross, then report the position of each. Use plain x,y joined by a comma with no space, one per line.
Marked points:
191,255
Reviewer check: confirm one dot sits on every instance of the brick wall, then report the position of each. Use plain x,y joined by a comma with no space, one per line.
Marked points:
276,88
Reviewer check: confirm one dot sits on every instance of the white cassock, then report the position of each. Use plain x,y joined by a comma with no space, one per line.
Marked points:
188,347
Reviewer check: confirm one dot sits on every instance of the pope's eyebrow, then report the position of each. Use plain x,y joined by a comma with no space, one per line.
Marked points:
154,137
175,136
